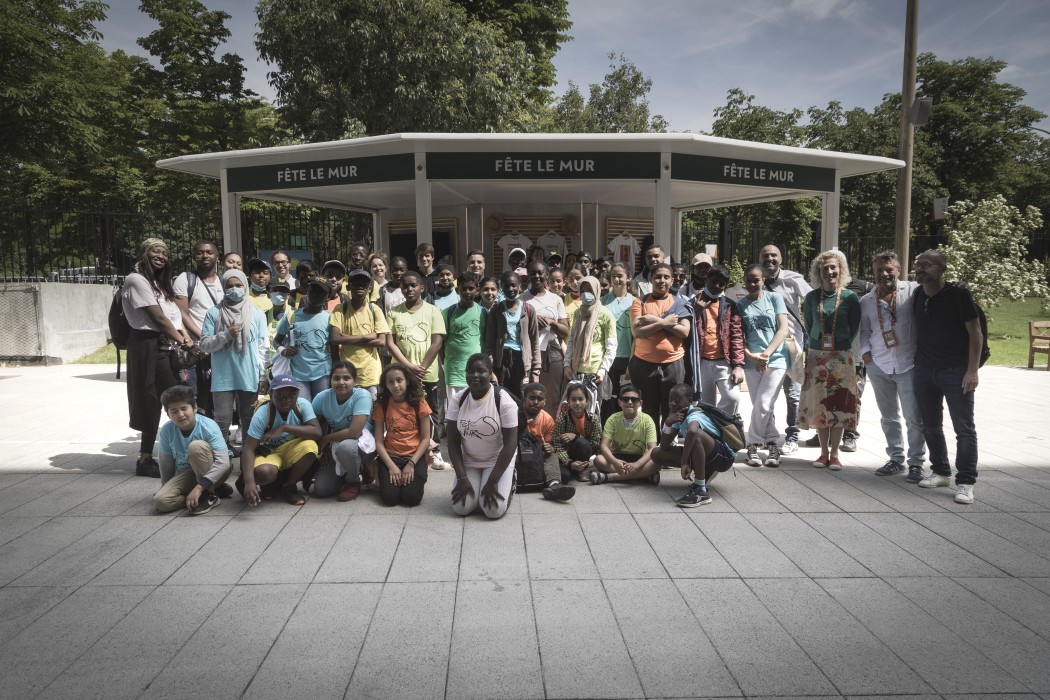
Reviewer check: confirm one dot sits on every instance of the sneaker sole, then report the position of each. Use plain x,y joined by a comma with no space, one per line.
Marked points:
771,463
202,512
694,505
932,486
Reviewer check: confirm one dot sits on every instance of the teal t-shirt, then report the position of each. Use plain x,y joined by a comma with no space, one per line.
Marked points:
231,369
760,325
262,416
513,317
446,301
311,331
621,312
171,441
695,415
465,333
339,415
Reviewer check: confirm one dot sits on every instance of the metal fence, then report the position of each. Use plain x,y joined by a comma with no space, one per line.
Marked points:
99,247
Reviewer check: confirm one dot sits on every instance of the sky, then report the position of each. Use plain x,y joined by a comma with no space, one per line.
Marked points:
787,53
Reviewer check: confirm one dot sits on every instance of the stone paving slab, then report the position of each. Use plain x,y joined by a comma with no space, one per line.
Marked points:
794,582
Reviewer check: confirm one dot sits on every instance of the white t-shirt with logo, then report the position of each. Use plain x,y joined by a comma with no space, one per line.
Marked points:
205,295
549,306
512,241
480,425
624,248
552,242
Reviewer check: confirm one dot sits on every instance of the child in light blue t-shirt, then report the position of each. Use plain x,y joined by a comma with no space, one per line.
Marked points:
345,414
194,459
303,335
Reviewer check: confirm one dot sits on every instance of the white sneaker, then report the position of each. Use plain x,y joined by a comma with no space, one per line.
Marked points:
752,456
965,494
235,438
439,462
935,480
789,447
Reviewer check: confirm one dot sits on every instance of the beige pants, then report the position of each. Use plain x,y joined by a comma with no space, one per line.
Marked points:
172,495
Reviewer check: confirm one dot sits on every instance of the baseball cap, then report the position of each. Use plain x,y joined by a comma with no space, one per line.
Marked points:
255,264
283,381
279,286
323,284
702,258
359,273
334,263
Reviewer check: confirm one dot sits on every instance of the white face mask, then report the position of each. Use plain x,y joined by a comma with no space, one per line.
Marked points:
278,298
588,299
235,294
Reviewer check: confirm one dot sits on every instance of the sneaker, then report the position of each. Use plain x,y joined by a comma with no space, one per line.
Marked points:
438,462
697,496
148,468
224,491
596,477
557,491
790,447
350,491
820,462
890,468
849,443
935,480
812,442
834,464
915,474
209,500
965,494
655,479
773,460
236,437
753,459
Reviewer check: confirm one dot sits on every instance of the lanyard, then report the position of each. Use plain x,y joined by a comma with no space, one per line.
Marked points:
893,310
834,317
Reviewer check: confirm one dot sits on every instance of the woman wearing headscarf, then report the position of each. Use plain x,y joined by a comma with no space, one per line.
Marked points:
592,343
234,334
156,331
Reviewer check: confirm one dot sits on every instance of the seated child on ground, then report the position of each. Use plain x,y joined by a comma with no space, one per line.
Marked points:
194,459
627,443
541,425
704,452
281,445
577,435
402,436
344,412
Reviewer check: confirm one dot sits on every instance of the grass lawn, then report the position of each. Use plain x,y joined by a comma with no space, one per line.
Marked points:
1008,332
105,355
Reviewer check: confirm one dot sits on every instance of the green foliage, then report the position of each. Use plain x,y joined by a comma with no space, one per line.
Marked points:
1008,331
987,247
620,105
385,66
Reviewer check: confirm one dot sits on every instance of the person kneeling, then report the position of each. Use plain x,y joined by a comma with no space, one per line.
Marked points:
281,446
344,412
703,446
627,443
194,459
402,422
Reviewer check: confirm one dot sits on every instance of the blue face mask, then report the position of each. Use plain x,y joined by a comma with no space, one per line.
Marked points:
588,299
278,298
235,294
257,289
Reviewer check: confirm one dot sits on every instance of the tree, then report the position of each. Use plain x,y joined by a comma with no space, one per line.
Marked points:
385,66
987,245
620,105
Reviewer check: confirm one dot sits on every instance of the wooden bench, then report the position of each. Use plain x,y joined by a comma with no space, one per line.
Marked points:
1038,341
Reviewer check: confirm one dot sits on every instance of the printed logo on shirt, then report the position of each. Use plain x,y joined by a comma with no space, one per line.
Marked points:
415,334
633,447
311,338
485,427
402,423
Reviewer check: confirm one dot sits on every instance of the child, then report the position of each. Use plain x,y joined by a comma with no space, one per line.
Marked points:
344,412
307,332
577,435
194,460
489,294
703,446
259,287
556,282
465,323
359,330
512,338
541,425
627,443
282,442
402,436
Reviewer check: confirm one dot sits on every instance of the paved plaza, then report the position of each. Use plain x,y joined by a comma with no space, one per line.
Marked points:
794,582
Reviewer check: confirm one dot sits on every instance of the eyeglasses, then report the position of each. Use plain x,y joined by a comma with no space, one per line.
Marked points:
630,399
281,262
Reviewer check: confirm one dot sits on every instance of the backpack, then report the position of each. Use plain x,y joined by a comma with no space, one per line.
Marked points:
528,469
986,351
271,416
730,428
119,328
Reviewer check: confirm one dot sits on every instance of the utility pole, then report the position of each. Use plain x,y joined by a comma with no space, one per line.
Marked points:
911,43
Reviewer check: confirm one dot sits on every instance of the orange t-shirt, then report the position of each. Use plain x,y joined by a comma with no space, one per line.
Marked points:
401,430
710,348
580,423
658,348
542,426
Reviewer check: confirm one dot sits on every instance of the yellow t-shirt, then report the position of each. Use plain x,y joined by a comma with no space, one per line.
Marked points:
369,319
412,332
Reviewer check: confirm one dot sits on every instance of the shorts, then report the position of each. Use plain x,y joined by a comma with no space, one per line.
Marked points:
626,457
288,453
721,458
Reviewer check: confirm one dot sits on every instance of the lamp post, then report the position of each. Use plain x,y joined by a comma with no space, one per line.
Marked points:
907,142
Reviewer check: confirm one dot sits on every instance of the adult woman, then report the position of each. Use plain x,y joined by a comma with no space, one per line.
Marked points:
832,315
482,436
765,323
376,266
618,302
234,334
156,330
592,344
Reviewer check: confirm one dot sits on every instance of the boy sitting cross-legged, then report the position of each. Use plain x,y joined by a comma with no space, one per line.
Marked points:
704,452
542,426
627,443
281,442
194,459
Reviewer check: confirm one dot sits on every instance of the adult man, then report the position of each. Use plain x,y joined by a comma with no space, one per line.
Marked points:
359,330
195,293
702,264
642,283
948,353
661,323
281,263
358,255
715,359
887,346
792,288
476,263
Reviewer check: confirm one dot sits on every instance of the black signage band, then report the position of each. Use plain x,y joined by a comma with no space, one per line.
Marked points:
732,171
543,166
322,173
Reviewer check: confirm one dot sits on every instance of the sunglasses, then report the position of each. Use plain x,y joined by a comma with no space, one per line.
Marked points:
631,399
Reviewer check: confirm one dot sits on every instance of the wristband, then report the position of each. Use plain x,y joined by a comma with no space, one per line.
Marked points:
667,430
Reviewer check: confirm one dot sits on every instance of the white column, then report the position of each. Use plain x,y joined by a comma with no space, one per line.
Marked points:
676,218
829,224
231,217
662,216
424,220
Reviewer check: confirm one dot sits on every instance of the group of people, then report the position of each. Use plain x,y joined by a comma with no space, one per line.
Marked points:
366,369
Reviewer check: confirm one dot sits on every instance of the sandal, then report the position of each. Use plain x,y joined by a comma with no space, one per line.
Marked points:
292,495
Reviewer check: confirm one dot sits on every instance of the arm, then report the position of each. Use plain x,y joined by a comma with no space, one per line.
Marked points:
490,491
252,495
408,474
642,458
681,328
864,348
973,328
310,430
560,428
395,351
532,327
606,451
436,341
853,311
687,450
561,327
157,316
167,466
736,335
594,432
783,329
211,343
461,488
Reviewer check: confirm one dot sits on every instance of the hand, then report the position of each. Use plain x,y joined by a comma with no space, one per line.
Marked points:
867,358
548,448
566,438
578,465
543,322
490,495
535,376
687,473
290,351
194,497
461,490
671,320
419,370
271,435
737,376
969,382
599,378
234,330
567,374
252,493
395,474
619,466
673,418
408,473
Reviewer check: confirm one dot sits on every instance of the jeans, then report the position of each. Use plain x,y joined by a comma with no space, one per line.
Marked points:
308,390
895,394
224,400
934,387
793,394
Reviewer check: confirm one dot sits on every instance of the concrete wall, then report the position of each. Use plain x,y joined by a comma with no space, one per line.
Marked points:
52,323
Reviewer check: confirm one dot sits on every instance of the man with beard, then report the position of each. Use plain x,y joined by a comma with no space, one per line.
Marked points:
642,283
195,293
702,264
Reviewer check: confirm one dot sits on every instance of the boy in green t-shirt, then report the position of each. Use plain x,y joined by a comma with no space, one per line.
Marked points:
627,443
465,326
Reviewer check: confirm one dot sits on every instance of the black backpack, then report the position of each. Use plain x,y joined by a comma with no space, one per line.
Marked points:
731,427
119,328
528,470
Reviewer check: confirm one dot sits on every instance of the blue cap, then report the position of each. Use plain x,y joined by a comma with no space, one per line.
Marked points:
283,381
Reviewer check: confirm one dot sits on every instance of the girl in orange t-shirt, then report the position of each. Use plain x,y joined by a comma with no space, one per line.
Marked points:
402,432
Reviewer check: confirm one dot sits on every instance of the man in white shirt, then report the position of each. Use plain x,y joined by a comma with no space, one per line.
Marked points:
195,293
887,346
642,284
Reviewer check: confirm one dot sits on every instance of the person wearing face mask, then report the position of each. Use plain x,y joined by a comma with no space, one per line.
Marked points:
258,287
715,360
592,344
234,334
303,336
702,264
279,293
